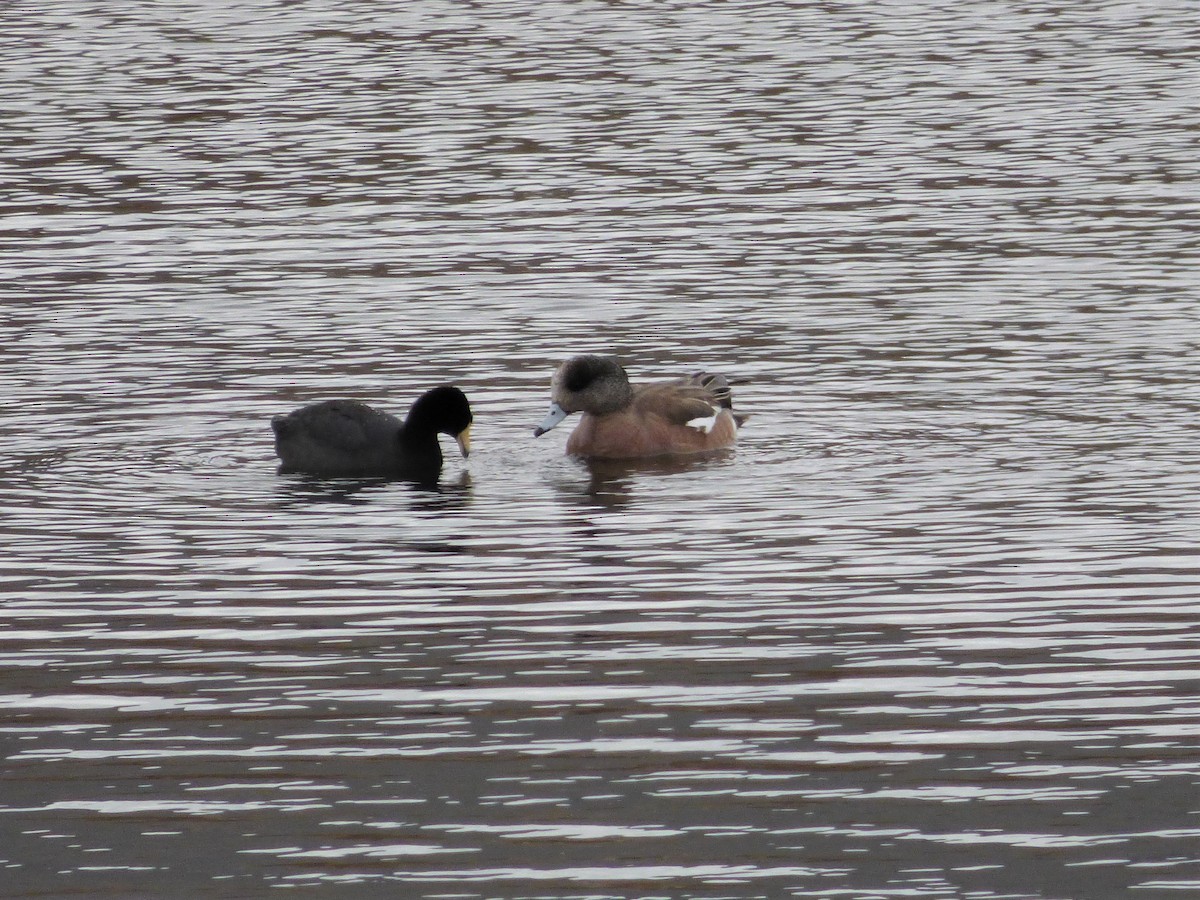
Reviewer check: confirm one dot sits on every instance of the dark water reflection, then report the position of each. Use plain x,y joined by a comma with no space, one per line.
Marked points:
432,494
928,632
613,483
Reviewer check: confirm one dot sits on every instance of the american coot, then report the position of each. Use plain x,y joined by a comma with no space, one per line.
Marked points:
346,437
689,415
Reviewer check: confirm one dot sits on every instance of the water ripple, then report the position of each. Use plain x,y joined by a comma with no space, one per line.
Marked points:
941,596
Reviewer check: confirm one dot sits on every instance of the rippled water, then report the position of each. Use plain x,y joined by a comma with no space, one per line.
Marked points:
930,631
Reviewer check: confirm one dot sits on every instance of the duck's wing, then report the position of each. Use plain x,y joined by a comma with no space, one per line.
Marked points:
717,386
682,402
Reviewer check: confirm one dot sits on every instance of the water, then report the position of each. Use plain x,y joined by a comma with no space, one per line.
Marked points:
928,632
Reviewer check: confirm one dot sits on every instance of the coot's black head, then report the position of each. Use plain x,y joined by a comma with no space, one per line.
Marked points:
443,410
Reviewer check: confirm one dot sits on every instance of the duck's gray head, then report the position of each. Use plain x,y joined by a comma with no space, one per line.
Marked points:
586,383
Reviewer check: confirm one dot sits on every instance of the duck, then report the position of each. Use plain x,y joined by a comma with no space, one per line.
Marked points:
620,421
350,438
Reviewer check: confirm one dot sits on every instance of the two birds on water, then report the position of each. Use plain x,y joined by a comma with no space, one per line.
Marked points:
620,421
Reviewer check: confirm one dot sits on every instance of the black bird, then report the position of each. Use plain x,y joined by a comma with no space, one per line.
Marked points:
346,437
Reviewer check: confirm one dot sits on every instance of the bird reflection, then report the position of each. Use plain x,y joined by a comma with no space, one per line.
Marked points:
612,482
428,494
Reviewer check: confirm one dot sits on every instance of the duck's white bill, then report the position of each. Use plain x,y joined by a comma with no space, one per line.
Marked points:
556,415
464,441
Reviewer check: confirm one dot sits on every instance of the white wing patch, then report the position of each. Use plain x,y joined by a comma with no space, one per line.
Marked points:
705,423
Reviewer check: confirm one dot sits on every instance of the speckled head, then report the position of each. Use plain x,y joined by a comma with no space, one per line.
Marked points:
586,383
595,384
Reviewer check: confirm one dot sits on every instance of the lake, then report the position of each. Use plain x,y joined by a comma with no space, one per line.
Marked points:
929,631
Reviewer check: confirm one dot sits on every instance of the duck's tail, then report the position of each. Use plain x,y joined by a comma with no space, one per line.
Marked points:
721,390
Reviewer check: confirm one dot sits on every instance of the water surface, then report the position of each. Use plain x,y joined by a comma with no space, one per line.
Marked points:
929,631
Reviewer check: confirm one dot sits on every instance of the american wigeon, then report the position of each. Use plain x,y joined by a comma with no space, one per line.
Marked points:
689,415
346,437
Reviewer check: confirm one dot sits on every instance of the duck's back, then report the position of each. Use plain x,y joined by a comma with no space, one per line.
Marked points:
337,437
